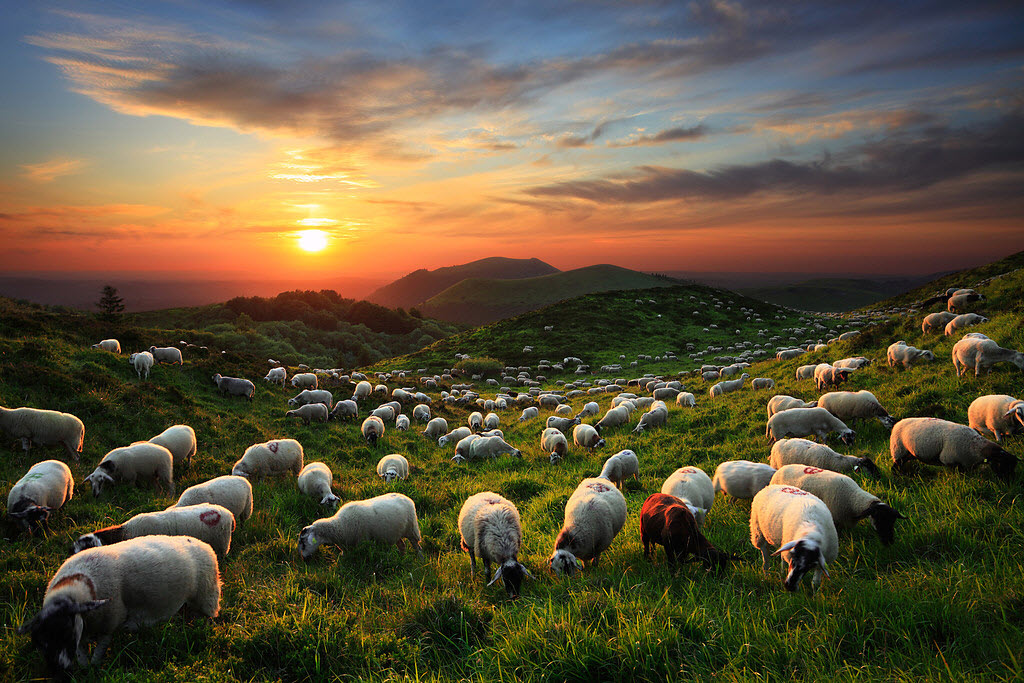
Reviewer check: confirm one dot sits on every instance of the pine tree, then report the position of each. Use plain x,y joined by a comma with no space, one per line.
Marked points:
110,304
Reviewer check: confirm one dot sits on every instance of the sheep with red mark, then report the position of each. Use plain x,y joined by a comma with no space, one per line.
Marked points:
800,525
213,524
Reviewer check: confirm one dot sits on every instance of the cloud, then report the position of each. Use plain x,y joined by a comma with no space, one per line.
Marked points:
47,171
677,134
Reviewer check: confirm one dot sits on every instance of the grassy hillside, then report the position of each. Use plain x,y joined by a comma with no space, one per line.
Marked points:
832,294
943,602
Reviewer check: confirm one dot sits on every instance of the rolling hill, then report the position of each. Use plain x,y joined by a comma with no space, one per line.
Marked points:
834,294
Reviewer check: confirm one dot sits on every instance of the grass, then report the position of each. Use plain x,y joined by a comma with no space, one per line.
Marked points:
944,602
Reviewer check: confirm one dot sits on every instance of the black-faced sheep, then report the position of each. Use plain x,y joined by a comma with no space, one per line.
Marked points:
490,528
801,525
939,442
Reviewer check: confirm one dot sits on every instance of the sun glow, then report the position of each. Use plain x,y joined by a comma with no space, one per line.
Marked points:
312,240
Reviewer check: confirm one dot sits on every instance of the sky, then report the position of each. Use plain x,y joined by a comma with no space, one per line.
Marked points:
207,138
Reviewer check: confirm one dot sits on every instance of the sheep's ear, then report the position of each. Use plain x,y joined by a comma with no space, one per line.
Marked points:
497,575
526,571
28,626
821,563
88,606
788,546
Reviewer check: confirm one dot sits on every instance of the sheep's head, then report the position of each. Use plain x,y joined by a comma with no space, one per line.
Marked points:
564,562
57,630
883,518
29,514
848,436
85,542
867,465
217,378
330,500
99,479
555,458
1002,462
371,437
511,574
804,556
390,475
308,543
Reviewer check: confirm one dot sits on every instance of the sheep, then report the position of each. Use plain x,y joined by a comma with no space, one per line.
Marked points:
806,371
308,396
589,409
759,383
939,442
180,440
615,417
402,423
657,416
853,405
234,386
142,362
961,321
845,499
141,581
807,422
344,409
166,354
483,447
554,442
801,525
315,480
594,515
45,487
666,521
710,375
901,354
620,467
454,436
804,452
207,522
139,461
565,410
391,467
492,421
44,428
361,391
780,402
475,421
389,518
789,354
728,386
852,363
665,393
436,428
563,424
997,414
270,458
385,413
529,413
111,345
981,354
742,478
960,301
230,491
372,429
826,375
310,412
421,413
936,322
276,376
693,487
686,400
586,437
305,380
490,527
462,448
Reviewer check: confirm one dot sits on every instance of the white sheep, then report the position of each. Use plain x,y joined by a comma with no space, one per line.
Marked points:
344,409
307,396
728,386
615,417
806,371
372,429
594,515
807,422
936,322
742,478
140,461
490,528
111,345
855,405
166,354
45,487
620,467
780,402
997,414
402,423
180,440
276,376
315,481
305,380
589,409
656,416
845,499
939,442
142,581
230,491
362,390
529,413
454,436
961,321
852,363
207,522
310,412
142,362
800,524
270,458
421,413
586,436
686,400
826,375
44,428
762,383
693,486
394,466
961,300
436,428
389,518
565,410
235,386
475,421
554,442
484,447
804,452
492,421
902,354
981,353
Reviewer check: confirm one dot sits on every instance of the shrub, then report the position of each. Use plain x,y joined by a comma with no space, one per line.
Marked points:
480,366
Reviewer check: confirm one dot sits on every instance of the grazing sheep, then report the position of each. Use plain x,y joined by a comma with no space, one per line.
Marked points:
710,375
421,413
728,386
589,409
484,447
362,390
901,354
961,321
475,421
490,528
140,461
142,362
308,396
209,523
45,487
615,417
391,467
982,353
845,499
780,402
961,300
554,442
372,429
665,394
807,422
693,487
562,424
166,354
762,383
800,524
386,413
586,437
271,458
997,414
344,409
389,518
789,354
315,480
402,423
305,380
656,416
686,400
141,581
309,412
436,428
804,452
44,428
230,491
454,436
276,376
666,521
180,440
529,413
936,322
852,363
565,410
742,478
855,405
594,515
620,467
939,442
234,386
111,345
806,371
826,375
492,421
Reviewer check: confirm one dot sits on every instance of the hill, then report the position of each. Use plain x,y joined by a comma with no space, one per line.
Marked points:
477,301
420,285
834,294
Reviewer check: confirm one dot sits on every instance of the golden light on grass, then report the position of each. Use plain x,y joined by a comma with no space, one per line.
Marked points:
312,240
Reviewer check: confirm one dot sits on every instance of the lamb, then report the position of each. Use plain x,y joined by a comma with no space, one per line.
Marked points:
845,499
686,400
594,514
484,447
939,442
344,409
315,480
742,478
981,354
826,375
776,404
276,376
801,525
762,383
421,413
142,362
997,414
142,581
562,424
234,386
620,467
402,423
492,421
139,461
665,521
305,380
270,458
490,527
589,409
111,345
615,417
936,322
728,386
554,442
391,467
961,321
209,523
586,437
853,405
307,396
310,412
807,422
361,391
693,487
166,354
804,452
372,429
656,416
529,413
230,491
454,436
436,428
389,518
45,487
901,354
43,427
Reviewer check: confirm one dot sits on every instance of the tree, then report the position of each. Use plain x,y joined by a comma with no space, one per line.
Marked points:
110,304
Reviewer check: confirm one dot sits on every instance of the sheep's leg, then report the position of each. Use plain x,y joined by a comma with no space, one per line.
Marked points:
472,562
101,648
816,579
26,443
487,571
71,451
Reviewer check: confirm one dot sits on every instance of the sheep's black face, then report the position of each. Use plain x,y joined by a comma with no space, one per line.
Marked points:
84,543
1002,462
512,577
883,518
307,543
802,559
848,436
715,560
57,630
869,467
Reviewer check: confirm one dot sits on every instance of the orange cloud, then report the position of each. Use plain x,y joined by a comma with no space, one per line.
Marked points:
47,171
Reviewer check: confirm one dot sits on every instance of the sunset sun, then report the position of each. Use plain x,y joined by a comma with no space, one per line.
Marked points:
312,240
